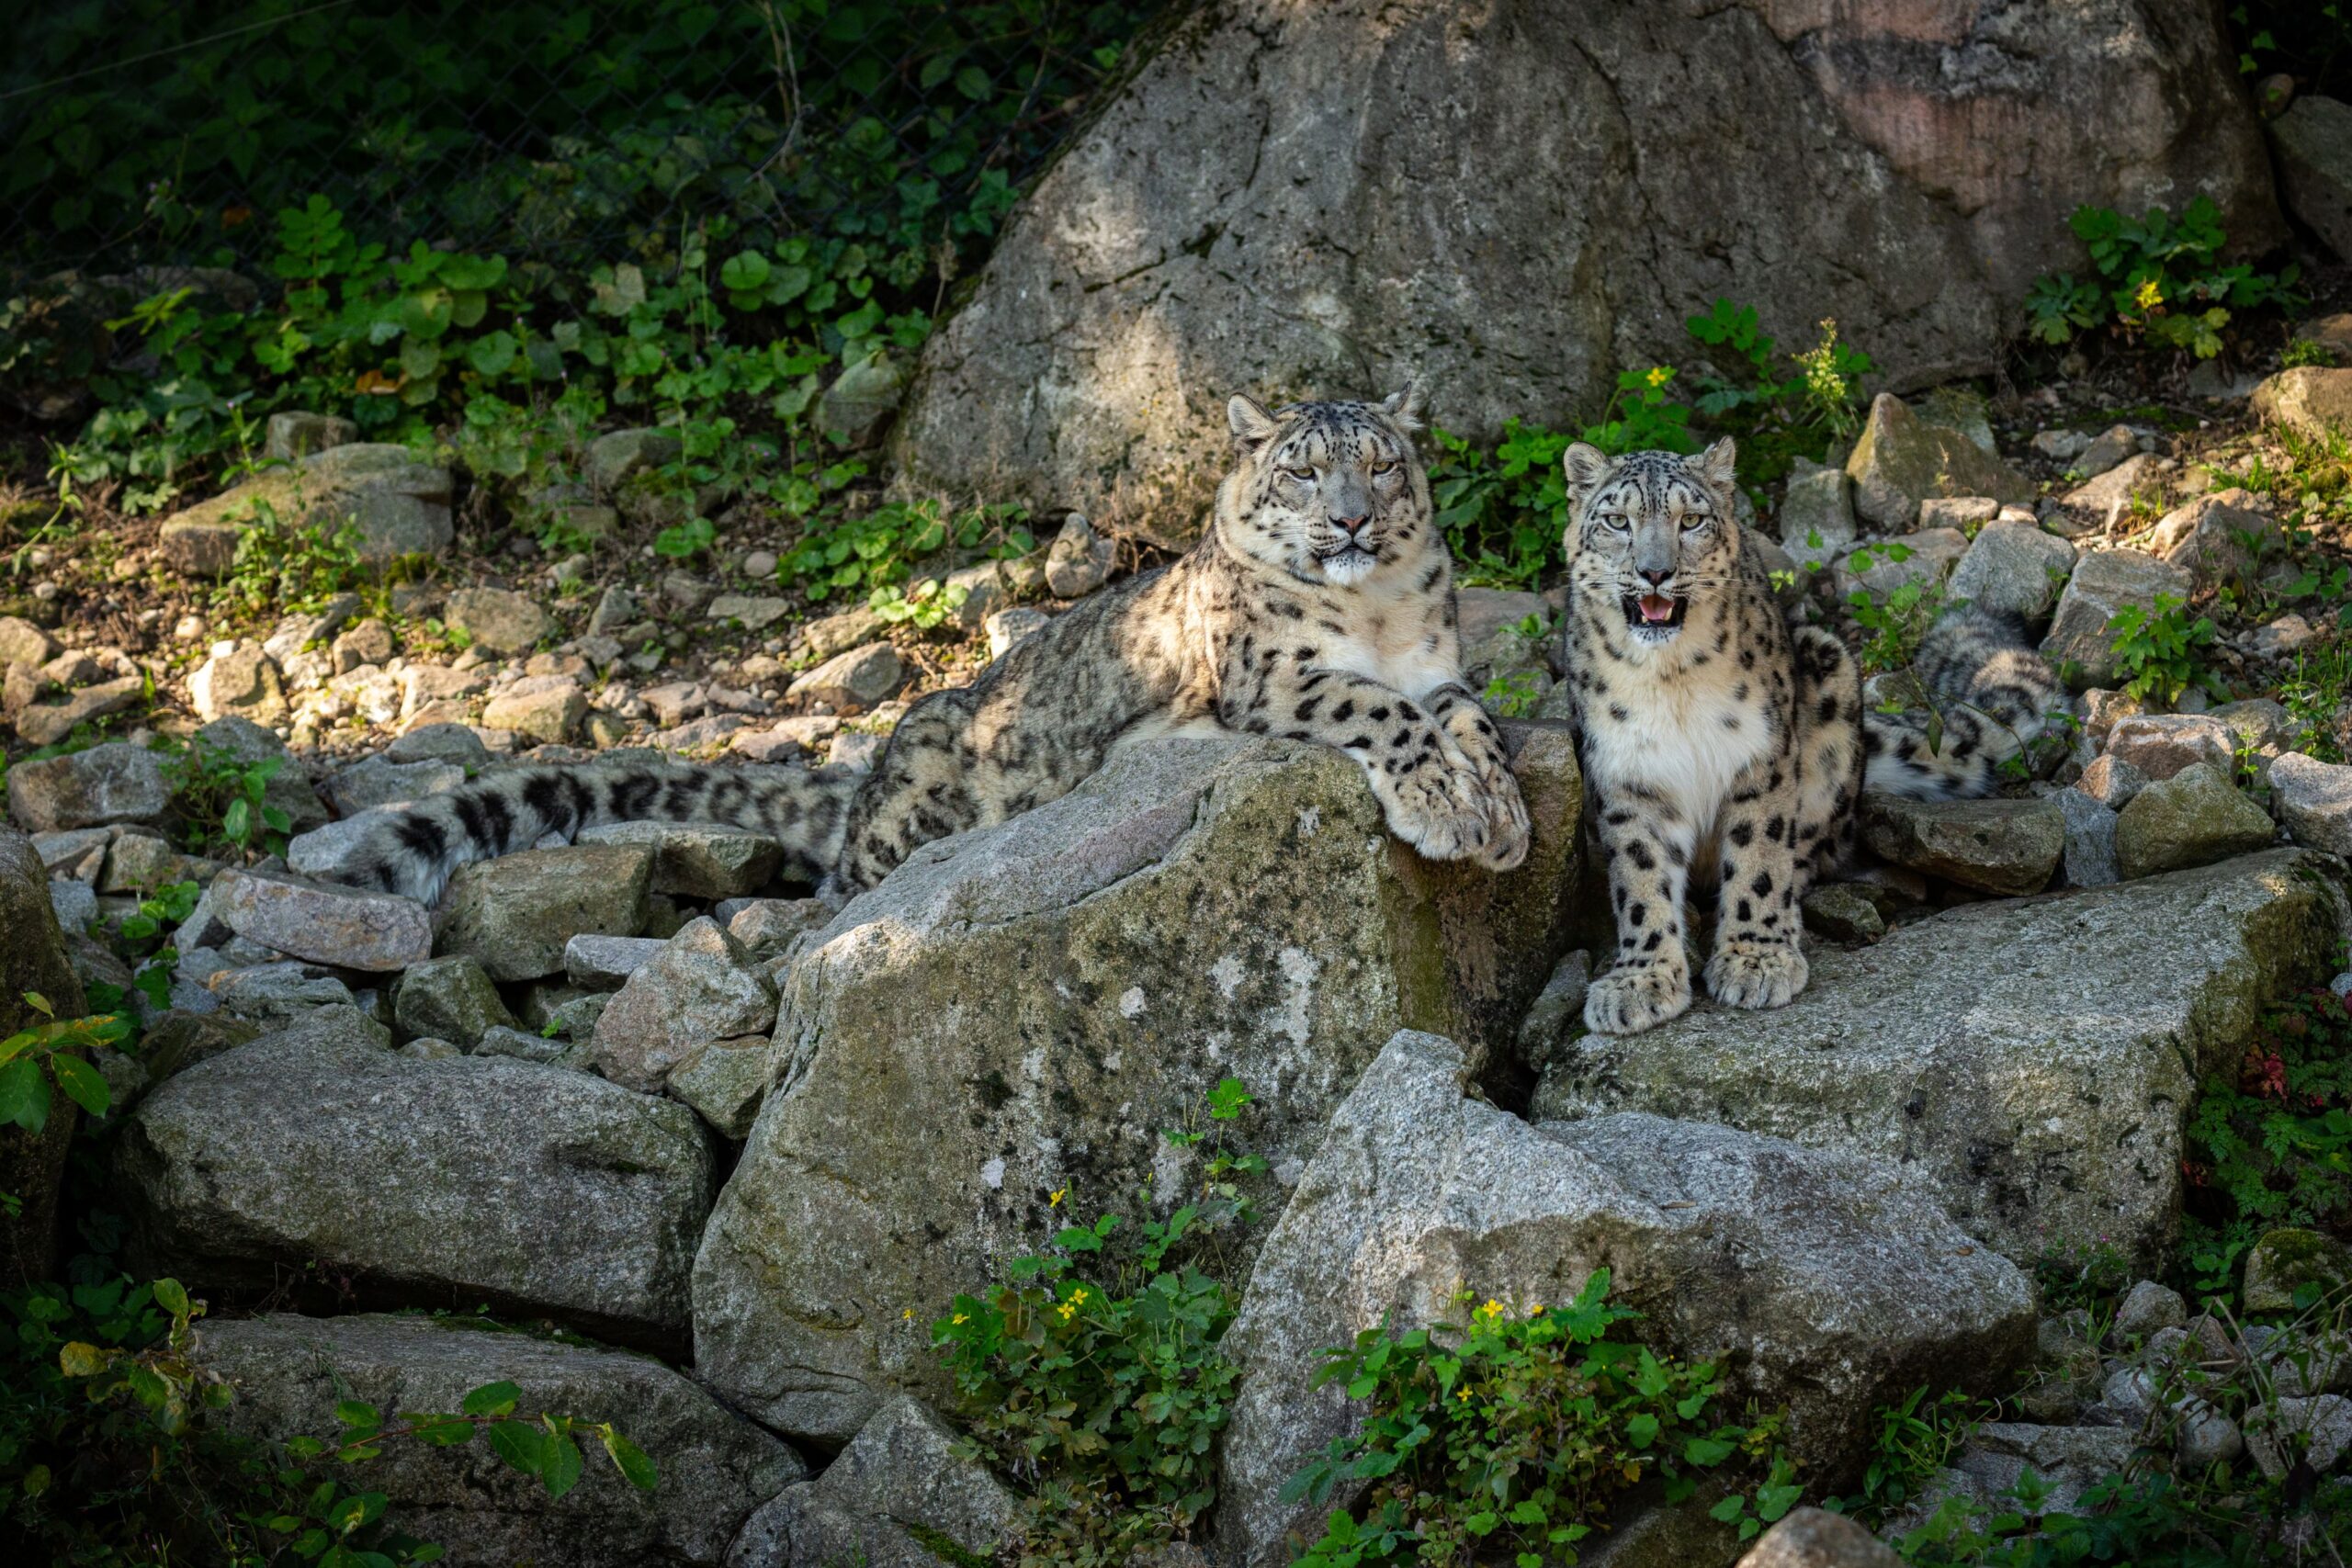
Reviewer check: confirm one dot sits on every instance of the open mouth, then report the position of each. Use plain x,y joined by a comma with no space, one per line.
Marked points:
1655,615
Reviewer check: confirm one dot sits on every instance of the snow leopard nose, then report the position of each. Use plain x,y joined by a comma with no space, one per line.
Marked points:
1656,576
1351,527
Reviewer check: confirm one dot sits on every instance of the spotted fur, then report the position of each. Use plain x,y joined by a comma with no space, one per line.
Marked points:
1724,747
1318,606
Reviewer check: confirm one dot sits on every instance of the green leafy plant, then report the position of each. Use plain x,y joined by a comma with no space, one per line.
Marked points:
2159,278
222,800
1893,623
1508,1436
1101,1389
2155,648
1914,1441
923,605
2301,351
53,1051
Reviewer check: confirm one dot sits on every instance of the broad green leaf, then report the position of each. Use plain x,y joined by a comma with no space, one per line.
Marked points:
83,1084
521,1445
23,1095
491,1399
559,1469
628,1459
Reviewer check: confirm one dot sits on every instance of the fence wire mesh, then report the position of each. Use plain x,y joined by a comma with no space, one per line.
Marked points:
146,131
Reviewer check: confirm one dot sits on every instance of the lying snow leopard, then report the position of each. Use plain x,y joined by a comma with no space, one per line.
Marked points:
1318,606
1724,746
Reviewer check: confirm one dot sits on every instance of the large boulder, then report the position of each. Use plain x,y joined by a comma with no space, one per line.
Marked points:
32,960
2034,1060
2080,646
1024,1009
1901,460
2313,144
513,915
1826,1282
712,1468
114,783
2313,400
393,504
1295,200
427,1182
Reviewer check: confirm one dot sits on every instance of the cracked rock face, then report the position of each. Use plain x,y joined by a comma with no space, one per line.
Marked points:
1024,1009
1517,198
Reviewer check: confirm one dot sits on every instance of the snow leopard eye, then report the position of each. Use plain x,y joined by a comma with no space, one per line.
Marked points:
1694,521
1617,523
1385,465
1300,473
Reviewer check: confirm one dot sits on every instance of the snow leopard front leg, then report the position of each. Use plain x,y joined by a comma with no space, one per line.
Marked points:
1431,797
1756,961
1464,721
1646,841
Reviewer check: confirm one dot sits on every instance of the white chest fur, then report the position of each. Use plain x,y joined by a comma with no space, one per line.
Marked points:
1395,636
1688,738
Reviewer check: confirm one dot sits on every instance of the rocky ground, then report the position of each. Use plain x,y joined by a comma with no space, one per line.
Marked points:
633,1089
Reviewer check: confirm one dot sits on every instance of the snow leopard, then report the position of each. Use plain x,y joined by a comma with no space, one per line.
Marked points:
1725,747
1318,606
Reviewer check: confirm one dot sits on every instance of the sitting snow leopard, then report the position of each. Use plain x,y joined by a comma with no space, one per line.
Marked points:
1318,606
1725,747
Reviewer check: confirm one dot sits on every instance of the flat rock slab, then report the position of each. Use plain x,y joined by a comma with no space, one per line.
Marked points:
696,860
433,1182
2034,1060
114,783
606,962
375,932
2007,847
2314,801
714,1467
515,914
1032,1004
1822,1280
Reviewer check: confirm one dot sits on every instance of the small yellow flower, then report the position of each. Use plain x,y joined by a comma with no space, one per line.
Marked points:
1077,1297
1054,1199
908,1315
1659,375
959,1320
2150,295
1461,1393
1536,1310
1066,1309
1492,1310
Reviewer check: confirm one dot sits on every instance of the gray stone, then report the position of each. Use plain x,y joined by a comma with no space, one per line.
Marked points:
76,904
294,435
288,788
2194,817
904,1471
2318,1427
1814,1537
727,1081
854,681
2312,400
697,860
2313,144
496,620
829,634
2158,746
2313,800
1995,846
1079,560
983,588
452,743
1965,512
618,454
504,1040
290,1373
2111,780
2147,1307
114,783
370,642
34,961
1007,630
328,853
376,781
270,993
2208,534
2140,484
606,962
1558,1011
1077,978
21,642
2090,839
546,1190
1842,912
2105,450
2079,645
2208,1438
350,930
753,613
1900,460
78,854
768,925
2283,638
449,998
1850,1286
513,915
2013,569
46,724
703,985
393,504
1134,291
2070,1459
1879,567
862,399
2286,1259
2036,1060
241,681
856,751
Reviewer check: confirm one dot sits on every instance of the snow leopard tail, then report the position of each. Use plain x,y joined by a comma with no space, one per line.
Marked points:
415,851
1995,695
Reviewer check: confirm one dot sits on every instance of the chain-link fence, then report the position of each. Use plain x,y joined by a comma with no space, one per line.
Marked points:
550,131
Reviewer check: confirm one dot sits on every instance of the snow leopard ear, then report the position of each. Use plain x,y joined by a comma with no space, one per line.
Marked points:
1404,409
1586,467
1253,426
1716,464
